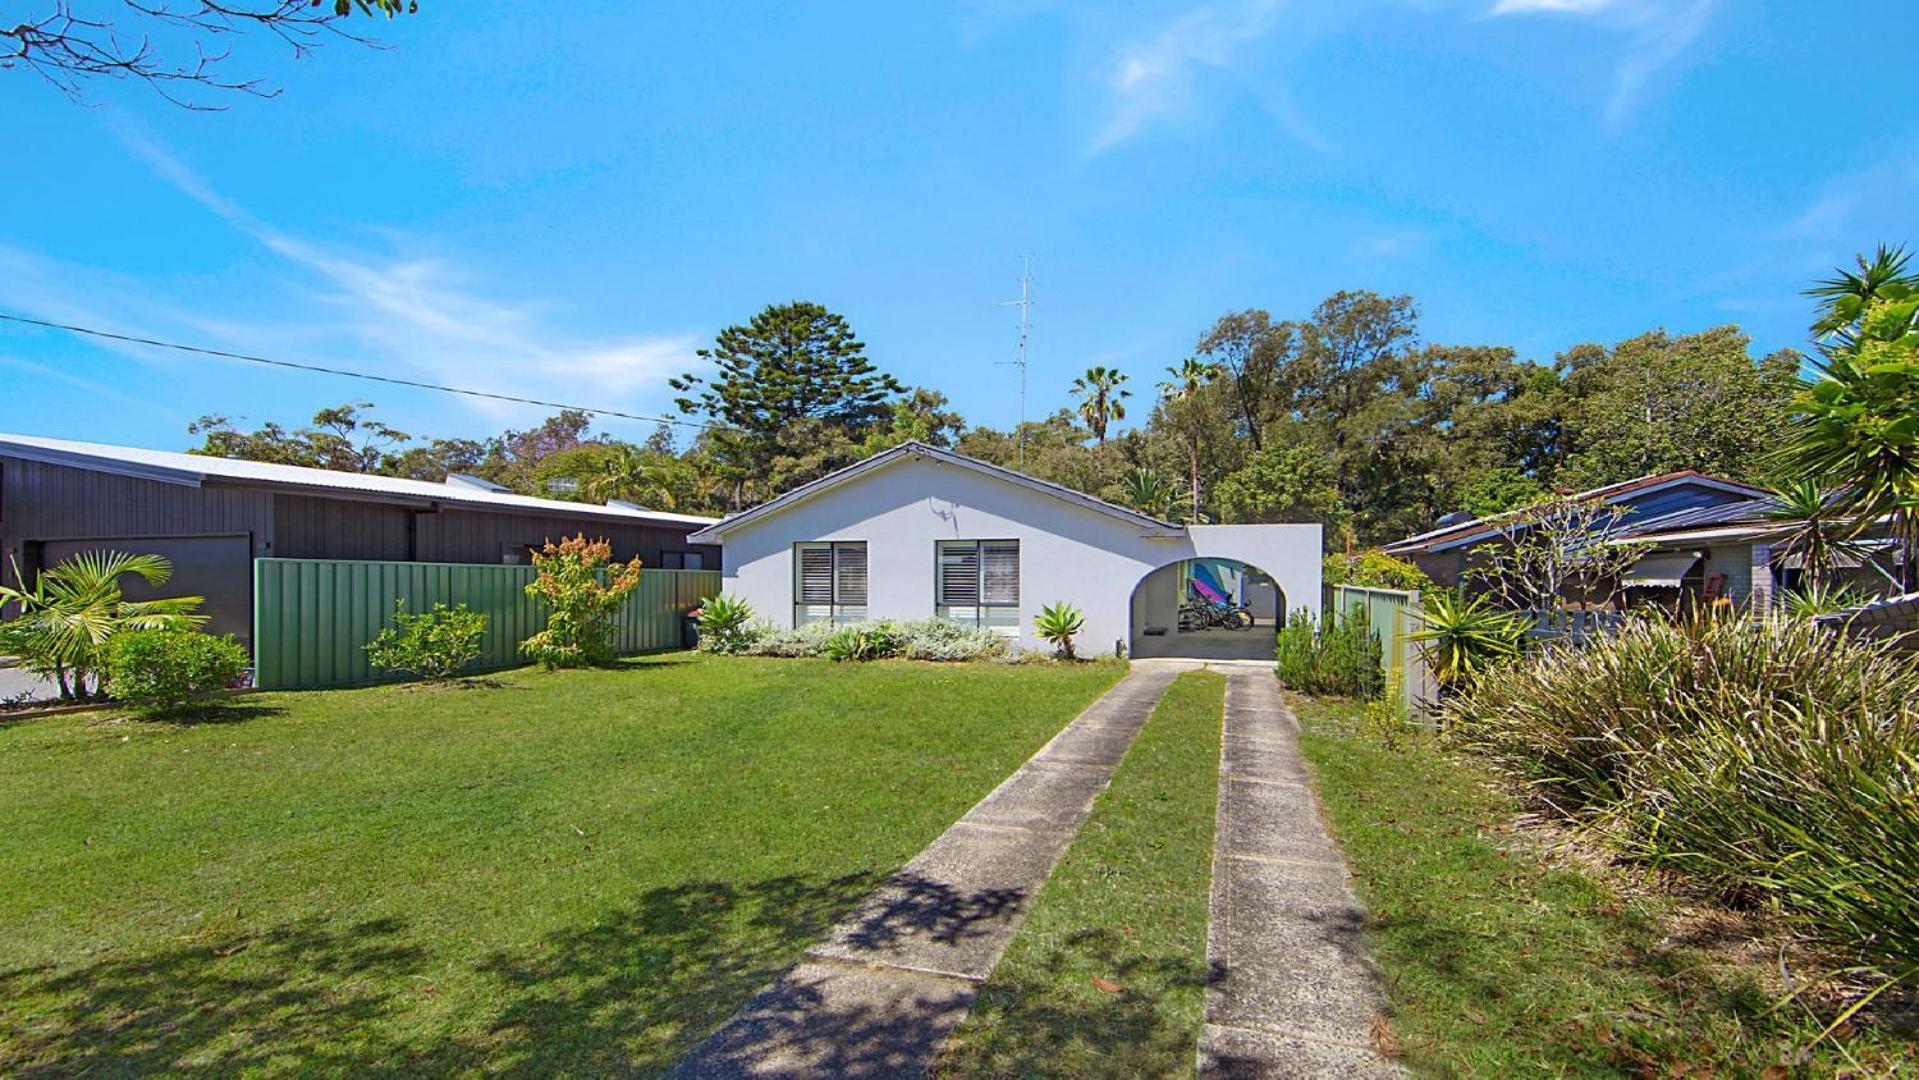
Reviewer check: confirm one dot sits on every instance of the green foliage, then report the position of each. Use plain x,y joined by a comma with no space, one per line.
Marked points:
164,671
1373,570
434,645
1465,637
920,639
583,596
1498,490
1149,493
865,641
1765,759
1817,598
1059,623
1342,656
1102,398
726,625
66,620
1280,484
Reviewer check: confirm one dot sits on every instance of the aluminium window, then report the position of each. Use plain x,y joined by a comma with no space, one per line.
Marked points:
978,583
829,582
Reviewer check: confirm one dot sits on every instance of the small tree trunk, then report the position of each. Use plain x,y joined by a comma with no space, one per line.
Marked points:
1195,460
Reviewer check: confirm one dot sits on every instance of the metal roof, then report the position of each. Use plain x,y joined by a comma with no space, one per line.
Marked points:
918,450
196,470
1468,532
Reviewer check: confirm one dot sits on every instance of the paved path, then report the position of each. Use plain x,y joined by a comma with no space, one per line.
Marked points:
1293,991
878,996
17,683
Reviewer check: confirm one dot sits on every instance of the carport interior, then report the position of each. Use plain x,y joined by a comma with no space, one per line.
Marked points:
1206,608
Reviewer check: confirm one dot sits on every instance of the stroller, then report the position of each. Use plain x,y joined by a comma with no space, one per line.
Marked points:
1206,609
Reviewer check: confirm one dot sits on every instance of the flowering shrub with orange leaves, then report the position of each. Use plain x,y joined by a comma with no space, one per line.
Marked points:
583,591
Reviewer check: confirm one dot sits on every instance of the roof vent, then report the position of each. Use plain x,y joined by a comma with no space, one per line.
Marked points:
622,504
468,480
1457,517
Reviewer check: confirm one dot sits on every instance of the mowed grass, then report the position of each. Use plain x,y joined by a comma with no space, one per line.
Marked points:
1107,975
571,872
1502,962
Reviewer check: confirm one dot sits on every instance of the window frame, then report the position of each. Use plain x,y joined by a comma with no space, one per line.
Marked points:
839,610
982,607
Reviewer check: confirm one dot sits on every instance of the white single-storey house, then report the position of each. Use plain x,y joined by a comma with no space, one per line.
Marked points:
918,532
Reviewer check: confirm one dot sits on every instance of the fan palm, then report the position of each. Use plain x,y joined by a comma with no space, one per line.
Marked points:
72,610
1102,401
1187,380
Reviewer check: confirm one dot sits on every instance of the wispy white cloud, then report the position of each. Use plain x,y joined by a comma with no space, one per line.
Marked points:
430,316
1656,34
1156,76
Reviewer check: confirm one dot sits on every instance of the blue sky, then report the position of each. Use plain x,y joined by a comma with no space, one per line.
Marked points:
569,206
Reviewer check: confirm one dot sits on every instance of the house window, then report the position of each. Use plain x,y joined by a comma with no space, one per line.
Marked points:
978,583
694,560
672,560
829,582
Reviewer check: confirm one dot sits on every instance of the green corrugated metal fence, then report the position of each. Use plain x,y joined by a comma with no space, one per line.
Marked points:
1394,616
312,618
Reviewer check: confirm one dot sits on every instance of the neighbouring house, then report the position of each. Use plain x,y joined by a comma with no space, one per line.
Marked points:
1731,552
212,517
1445,553
919,532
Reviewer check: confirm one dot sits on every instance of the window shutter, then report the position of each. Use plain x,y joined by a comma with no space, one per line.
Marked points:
1000,572
850,561
959,574
816,574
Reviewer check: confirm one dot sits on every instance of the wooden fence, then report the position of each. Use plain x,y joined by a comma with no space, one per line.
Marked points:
1393,615
312,618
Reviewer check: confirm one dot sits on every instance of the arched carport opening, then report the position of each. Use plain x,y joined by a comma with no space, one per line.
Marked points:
1208,607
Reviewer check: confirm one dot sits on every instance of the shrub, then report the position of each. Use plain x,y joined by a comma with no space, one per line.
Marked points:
1373,570
164,671
726,625
1463,638
800,641
1343,656
583,596
432,645
1059,624
944,639
1762,758
865,641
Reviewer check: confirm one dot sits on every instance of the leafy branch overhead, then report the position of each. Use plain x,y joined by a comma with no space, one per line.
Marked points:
177,49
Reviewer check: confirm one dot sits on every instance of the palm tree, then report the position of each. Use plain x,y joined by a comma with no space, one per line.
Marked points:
1188,379
1812,531
631,473
1857,429
66,619
1101,399
1148,492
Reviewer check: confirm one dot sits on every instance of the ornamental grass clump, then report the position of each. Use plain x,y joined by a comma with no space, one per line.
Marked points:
1765,760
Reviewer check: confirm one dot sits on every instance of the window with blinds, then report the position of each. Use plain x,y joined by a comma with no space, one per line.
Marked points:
978,583
829,582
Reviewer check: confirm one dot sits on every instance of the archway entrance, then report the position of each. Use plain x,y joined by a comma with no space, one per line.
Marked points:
1206,608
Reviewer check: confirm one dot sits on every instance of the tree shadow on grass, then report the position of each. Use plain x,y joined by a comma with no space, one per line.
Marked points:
225,1003
1049,1018
632,991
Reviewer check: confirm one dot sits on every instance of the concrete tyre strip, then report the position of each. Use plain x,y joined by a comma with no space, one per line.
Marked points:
1293,991
878,996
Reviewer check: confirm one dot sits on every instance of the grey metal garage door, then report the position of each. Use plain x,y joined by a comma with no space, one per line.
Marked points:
219,568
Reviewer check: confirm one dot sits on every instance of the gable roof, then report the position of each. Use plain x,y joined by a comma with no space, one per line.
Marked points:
910,451
196,470
1469,532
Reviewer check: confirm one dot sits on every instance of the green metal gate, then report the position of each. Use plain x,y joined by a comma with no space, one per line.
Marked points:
1394,616
312,618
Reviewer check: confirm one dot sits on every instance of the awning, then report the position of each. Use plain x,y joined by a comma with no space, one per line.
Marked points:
1660,571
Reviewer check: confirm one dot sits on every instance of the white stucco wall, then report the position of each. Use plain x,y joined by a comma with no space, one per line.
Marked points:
1067,551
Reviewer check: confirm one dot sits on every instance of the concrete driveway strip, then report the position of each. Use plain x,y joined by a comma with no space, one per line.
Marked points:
878,996
1292,991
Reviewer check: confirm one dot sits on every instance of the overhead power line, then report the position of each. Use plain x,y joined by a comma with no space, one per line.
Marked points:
369,376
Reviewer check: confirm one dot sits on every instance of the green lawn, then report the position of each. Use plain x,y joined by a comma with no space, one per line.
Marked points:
553,872
1126,906
1500,963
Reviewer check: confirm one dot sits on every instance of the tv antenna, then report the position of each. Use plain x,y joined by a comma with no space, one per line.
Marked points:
1025,306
